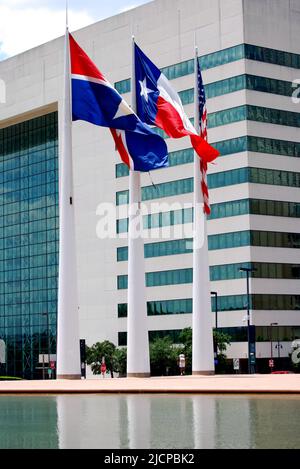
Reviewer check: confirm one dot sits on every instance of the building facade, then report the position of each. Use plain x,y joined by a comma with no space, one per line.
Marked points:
250,59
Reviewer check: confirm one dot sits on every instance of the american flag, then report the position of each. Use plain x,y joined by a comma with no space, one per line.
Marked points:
203,134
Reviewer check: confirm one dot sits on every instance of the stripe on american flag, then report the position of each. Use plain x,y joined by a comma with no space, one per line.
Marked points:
203,134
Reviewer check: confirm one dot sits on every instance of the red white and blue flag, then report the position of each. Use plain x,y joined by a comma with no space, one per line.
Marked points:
159,104
96,101
203,134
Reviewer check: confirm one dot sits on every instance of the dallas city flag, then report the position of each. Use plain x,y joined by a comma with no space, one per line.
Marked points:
96,101
159,104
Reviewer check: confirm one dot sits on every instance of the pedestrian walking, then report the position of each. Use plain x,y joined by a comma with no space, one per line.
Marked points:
181,364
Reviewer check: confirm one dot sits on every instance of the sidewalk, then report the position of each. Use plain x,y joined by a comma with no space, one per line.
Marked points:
286,384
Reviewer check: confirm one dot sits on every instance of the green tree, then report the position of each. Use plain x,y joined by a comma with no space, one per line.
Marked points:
95,353
120,361
220,339
163,356
186,339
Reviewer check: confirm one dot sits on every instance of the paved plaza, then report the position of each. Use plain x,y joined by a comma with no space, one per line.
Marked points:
244,384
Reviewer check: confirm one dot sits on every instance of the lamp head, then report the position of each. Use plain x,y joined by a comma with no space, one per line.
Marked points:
247,269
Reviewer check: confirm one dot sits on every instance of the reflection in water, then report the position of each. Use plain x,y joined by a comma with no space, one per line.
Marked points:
149,421
233,420
139,421
89,421
204,422
28,422
278,424
171,422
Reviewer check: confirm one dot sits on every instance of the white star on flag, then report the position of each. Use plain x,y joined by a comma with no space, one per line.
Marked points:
123,110
144,90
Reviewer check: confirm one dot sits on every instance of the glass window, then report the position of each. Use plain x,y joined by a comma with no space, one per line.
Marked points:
263,54
122,254
154,279
29,233
187,96
276,177
178,217
122,339
181,157
253,238
122,170
254,113
234,145
122,198
123,86
172,277
156,308
155,220
227,178
122,282
268,85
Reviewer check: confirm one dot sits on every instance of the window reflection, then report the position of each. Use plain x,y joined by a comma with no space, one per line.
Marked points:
28,241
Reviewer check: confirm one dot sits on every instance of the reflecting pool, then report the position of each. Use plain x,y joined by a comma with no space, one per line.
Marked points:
149,421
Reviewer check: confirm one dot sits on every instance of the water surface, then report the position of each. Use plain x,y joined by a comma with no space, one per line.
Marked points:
149,421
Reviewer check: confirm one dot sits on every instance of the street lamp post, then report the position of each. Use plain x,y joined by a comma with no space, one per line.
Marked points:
271,338
279,346
248,270
48,336
215,294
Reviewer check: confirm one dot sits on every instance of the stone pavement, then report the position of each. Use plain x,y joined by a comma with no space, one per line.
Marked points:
289,384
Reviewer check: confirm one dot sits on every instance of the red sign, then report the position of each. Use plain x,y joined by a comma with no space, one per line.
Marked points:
271,363
52,365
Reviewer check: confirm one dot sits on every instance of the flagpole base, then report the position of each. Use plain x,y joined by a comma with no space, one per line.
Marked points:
138,375
68,377
204,373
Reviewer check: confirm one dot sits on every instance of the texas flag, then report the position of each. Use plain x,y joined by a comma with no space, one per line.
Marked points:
159,104
96,101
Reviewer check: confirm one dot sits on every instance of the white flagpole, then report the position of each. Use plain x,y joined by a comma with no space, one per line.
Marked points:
138,361
203,353
68,351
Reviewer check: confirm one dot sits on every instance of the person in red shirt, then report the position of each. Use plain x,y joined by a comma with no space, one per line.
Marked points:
103,367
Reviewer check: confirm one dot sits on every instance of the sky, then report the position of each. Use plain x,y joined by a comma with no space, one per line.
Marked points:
28,23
